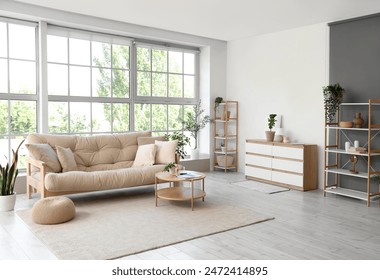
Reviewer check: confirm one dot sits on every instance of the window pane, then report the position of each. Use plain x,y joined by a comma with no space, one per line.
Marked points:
120,56
159,60
101,82
79,51
143,83
58,79
80,117
57,49
159,84
189,86
23,117
58,117
175,62
101,54
80,81
22,152
189,60
175,117
3,76
4,150
22,41
143,59
120,83
175,85
142,117
120,117
101,117
159,117
3,39
22,75
3,118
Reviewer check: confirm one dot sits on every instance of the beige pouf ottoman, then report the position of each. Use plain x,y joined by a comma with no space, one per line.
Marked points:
53,210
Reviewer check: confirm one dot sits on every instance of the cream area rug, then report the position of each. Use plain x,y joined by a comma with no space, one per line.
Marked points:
260,187
114,224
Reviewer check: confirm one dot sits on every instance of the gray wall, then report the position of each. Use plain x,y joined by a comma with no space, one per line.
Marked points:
355,64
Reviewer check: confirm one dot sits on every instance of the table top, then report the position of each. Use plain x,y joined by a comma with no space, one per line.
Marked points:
187,175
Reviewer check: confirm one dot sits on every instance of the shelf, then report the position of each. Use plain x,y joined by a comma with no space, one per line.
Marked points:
347,172
341,151
226,137
224,121
229,152
352,128
348,192
358,104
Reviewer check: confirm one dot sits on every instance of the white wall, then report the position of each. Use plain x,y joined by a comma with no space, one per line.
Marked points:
280,73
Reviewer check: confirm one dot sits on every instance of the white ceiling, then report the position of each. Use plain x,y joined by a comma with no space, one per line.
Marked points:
218,19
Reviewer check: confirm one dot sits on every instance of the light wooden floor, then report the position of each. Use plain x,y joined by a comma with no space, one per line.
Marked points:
306,226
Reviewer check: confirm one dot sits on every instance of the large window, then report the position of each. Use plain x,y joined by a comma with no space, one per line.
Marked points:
18,84
88,82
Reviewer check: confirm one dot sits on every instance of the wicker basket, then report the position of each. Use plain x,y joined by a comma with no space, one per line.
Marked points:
222,161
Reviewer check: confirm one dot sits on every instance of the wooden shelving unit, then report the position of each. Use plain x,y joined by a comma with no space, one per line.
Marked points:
336,166
226,136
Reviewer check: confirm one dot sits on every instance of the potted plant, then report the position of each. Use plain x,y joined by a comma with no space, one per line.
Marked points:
376,178
194,122
8,175
183,141
171,168
218,100
332,98
271,122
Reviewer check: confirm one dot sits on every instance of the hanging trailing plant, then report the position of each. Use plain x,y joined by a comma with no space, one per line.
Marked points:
332,97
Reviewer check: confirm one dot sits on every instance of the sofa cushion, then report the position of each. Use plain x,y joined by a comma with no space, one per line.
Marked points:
149,140
45,153
66,159
80,181
145,155
165,151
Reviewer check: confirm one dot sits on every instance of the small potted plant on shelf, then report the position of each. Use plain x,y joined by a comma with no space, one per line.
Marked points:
271,122
183,141
218,100
332,98
8,175
376,178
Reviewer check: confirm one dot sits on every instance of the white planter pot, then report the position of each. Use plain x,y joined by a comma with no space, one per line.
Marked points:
194,153
7,202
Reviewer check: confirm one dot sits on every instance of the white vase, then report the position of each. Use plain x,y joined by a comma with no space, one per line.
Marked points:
194,154
7,202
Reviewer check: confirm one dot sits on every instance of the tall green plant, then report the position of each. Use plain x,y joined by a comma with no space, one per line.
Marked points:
8,174
195,121
183,140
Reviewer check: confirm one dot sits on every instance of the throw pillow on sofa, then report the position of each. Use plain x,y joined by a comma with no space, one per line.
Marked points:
45,153
166,151
66,158
145,155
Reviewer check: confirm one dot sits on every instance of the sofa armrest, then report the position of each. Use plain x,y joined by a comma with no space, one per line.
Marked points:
31,181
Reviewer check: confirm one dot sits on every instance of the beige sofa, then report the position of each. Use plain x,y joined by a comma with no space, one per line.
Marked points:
68,164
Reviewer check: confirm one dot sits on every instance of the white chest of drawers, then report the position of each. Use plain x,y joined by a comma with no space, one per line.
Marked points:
289,165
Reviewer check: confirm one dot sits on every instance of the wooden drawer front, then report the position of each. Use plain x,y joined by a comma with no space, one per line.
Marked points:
287,152
288,165
287,178
258,148
258,160
258,172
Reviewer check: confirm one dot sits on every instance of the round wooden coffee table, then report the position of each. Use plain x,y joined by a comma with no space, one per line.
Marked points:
180,193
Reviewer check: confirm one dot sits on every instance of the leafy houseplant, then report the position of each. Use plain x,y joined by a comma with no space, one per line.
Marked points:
172,168
8,175
376,178
218,100
183,140
332,98
195,121
271,122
